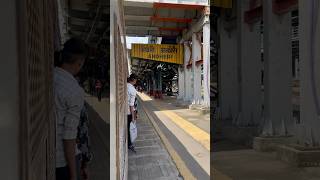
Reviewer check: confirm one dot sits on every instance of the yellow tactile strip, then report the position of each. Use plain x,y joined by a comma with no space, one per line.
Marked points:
185,172
195,132
183,169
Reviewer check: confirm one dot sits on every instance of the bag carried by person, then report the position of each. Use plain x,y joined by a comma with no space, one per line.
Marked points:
133,131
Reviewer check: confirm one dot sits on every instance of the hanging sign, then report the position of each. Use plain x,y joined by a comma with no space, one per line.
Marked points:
170,53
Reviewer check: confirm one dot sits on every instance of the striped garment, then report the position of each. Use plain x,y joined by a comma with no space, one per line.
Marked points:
69,100
83,140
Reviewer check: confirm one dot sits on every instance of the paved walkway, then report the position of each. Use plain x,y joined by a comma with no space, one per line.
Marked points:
240,163
181,109
152,161
188,144
98,113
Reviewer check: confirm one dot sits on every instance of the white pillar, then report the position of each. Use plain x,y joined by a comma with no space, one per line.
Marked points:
196,56
206,65
228,73
278,72
309,37
187,73
181,81
249,50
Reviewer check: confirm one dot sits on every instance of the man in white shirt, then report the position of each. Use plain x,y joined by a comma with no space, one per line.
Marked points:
132,93
69,100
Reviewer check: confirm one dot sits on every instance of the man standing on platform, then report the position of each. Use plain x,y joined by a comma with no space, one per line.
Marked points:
132,93
69,100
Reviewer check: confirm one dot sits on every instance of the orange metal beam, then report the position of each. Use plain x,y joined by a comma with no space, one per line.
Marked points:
176,6
168,19
170,29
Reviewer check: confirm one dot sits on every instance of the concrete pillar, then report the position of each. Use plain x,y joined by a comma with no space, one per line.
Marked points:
181,81
160,82
278,72
187,73
206,65
249,50
309,37
228,72
196,56
154,86
149,84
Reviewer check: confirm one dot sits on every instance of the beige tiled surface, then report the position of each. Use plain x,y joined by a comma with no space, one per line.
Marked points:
99,136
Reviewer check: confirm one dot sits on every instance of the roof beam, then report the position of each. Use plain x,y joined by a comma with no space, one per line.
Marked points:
154,28
168,19
151,33
137,4
146,28
177,6
170,29
157,18
137,18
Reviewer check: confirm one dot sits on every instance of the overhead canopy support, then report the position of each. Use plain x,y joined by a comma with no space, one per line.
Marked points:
196,27
176,6
167,19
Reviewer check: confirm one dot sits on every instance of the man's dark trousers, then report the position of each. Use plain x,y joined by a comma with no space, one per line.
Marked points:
129,121
62,173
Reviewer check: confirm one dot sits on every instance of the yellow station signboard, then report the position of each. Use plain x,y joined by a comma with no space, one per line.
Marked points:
170,53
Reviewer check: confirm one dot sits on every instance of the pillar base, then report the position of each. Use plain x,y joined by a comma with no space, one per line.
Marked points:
194,106
181,103
200,108
240,135
269,144
299,156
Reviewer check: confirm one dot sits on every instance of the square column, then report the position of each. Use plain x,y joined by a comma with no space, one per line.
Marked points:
196,56
228,72
187,73
181,81
309,38
249,50
278,113
206,65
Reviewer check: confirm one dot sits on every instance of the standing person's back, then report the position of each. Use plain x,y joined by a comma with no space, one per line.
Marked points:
68,94
69,100
131,93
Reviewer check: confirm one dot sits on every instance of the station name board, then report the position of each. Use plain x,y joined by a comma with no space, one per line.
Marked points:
158,52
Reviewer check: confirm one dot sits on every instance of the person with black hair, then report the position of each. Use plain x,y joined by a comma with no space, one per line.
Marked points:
69,101
131,93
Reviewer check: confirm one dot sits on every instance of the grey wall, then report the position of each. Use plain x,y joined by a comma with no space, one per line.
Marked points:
8,92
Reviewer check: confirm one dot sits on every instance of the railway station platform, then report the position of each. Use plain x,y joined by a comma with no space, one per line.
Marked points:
99,134
183,133
233,161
